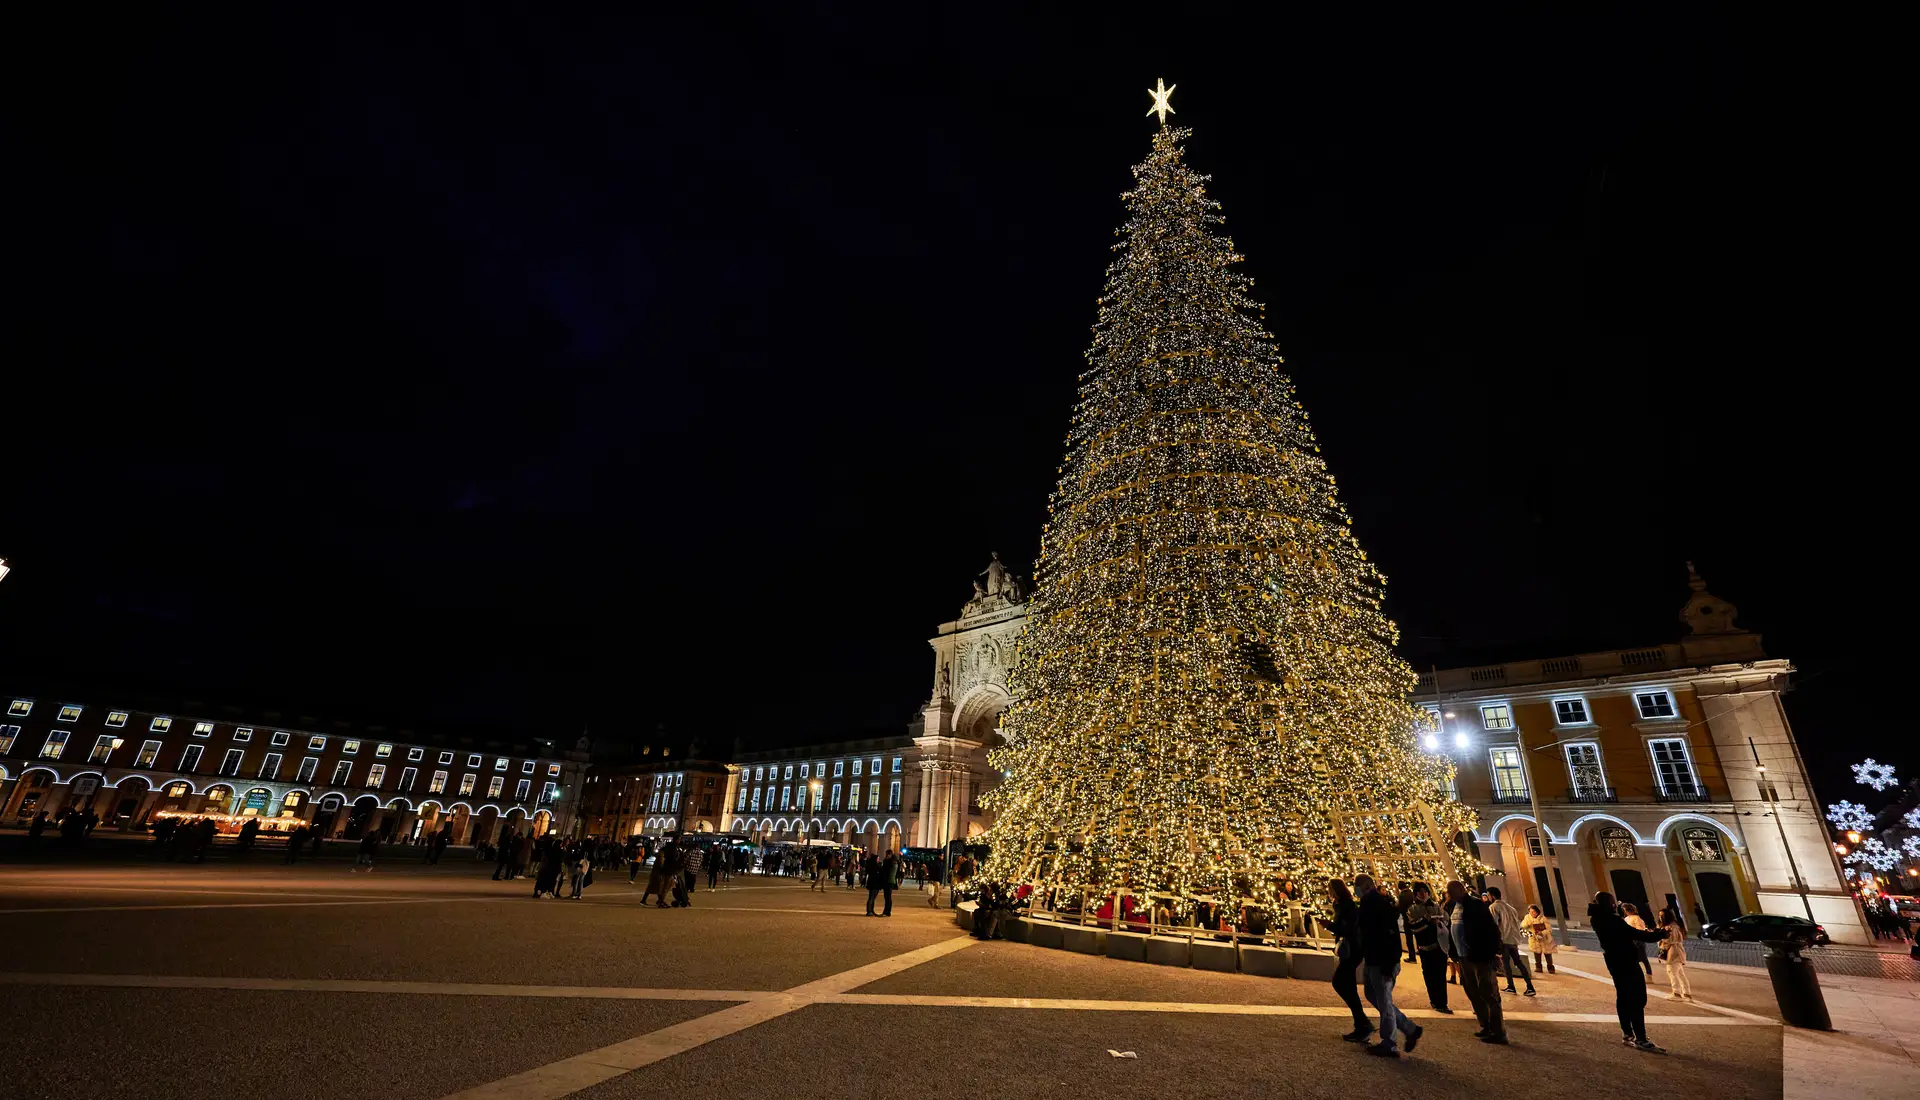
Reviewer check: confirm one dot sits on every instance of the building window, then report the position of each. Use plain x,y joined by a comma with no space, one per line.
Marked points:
806,771
270,767
230,763
281,738
1509,779
1449,790
407,777
383,751
834,802
1703,846
1533,843
876,766
522,789
839,768
893,796
740,805
149,752
873,794
376,775
438,784
1583,765
1672,766
116,718
789,771
163,724
856,767
69,714
466,783
786,798
495,785
190,759
56,744
309,767
349,748
756,800
7,735
549,794
102,748
243,734
526,767
179,790
1654,704
896,766
759,774
292,800
473,761
1496,716
676,802
342,771
446,758
499,763
853,796
1616,843
316,744
1570,712
553,769
20,708
416,754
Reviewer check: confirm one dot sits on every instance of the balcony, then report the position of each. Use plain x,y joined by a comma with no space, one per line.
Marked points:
1593,794
1683,794
1512,798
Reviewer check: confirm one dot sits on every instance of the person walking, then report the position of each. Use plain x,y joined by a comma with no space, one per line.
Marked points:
716,863
826,872
696,859
369,847
1346,950
1380,952
1631,914
441,840
677,854
503,860
1621,947
1427,924
1509,922
1475,945
1539,938
1673,953
870,865
657,879
581,876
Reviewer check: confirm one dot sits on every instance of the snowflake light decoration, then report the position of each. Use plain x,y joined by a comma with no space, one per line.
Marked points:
1911,846
1849,815
1873,774
1875,855
1912,819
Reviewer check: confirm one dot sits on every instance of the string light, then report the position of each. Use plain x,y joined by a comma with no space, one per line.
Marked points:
1206,698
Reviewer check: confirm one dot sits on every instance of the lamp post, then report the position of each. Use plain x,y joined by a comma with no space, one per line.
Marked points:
1793,865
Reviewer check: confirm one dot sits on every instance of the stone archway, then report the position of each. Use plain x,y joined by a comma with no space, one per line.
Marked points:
129,793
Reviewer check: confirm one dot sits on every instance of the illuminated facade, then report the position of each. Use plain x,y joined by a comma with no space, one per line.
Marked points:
130,766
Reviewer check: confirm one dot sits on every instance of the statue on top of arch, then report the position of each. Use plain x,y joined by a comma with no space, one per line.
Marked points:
1001,588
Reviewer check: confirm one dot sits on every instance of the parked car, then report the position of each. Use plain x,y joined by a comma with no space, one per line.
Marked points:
1755,927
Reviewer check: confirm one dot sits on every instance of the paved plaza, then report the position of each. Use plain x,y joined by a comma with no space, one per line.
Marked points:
159,980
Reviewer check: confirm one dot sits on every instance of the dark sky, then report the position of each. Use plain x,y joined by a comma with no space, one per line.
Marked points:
433,368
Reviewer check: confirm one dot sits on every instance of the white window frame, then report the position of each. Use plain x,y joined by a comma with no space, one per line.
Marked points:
1640,699
71,712
243,734
438,784
104,741
408,777
349,748
446,758
316,744
1504,718
549,793
280,739
786,798
895,768
270,766
740,806
116,718
496,784
342,773
1586,712
473,760
856,768
8,734
467,780
1494,769
553,769
526,767
1599,762
376,775
839,768
190,757
55,745
1686,757
20,708
149,752
759,775
876,767
309,767
834,805
500,763
893,796
522,790
416,754
789,775
383,751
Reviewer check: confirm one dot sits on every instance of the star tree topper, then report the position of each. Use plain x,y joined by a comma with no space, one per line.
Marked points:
1161,94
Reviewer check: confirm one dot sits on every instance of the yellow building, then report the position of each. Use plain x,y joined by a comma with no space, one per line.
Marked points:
1658,773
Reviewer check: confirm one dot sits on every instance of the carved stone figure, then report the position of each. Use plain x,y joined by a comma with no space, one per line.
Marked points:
997,577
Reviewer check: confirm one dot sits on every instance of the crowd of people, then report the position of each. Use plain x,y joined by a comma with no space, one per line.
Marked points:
1887,922
1473,942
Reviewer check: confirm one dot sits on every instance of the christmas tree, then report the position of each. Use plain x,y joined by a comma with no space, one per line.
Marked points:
1206,699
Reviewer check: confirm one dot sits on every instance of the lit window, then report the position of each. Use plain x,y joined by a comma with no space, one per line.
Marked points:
876,766
56,744
149,752
407,776
162,725
466,783
786,798
473,761
270,767
676,802
756,799
102,748
446,758
839,768
805,770
316,744
190,759
1673,767
179,790
834,803
742,803
349,748
416,753
893,795
896,765
856,767
759,774
243,734
1616,843
438,784
291,801
69,714
873,796
789,771
1654,704
20,708
522,789
1703,846
383,751
499,763
1509,780
1533,842
280,738
495,785
1583,766
526,767
7,735
1496,716
376,775
308,768
553,769
342,771
1570,712
116,718
549,794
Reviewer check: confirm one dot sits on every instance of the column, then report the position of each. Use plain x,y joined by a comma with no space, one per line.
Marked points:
1659,873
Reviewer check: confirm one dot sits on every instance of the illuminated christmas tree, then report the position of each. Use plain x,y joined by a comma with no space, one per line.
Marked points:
1206,700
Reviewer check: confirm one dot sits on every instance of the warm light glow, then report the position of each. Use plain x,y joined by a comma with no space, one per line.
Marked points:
1432,742
1161,94
1853,837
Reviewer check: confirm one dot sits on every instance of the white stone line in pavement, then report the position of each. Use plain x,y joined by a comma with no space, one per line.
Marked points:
582,1071
914,1000
239,905
347,985
1652,992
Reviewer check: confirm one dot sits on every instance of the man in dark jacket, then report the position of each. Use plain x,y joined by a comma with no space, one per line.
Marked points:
1620,947
1380,950
1476,945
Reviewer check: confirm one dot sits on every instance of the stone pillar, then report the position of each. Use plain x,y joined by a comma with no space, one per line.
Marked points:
1659,876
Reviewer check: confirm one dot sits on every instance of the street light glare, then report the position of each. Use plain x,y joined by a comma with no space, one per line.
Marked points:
1459,740
1432,742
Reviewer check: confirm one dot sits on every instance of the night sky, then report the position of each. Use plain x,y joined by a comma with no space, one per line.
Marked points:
437,369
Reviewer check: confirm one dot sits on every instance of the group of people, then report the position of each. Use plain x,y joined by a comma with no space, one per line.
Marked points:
1887,922
1471,941
73,825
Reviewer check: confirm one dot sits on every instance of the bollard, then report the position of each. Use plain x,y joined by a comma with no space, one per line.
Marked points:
1796,987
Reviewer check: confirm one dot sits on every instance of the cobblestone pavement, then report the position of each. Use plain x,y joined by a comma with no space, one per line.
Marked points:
156,981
